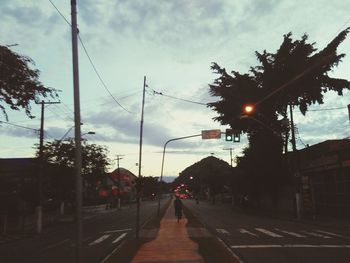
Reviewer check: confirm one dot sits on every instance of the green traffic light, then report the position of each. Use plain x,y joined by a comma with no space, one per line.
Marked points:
228,137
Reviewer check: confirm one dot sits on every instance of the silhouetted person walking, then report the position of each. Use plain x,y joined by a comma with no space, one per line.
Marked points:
178,208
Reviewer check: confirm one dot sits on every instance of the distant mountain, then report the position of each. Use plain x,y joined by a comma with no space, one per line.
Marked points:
169,179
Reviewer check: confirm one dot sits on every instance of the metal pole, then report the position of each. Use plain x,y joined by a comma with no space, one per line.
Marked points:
230,155
78,161
118,175
161,171
295,166
140,159
39,208
39,221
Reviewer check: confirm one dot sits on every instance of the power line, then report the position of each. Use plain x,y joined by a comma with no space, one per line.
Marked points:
90,60
327,109
177,98
19,126
98,75
340,29
299,138
65,19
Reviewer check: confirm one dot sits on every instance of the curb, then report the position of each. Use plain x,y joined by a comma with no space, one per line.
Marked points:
230,255
126,250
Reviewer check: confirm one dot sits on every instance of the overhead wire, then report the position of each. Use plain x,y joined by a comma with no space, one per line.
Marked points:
340,29
19,126
90,60
326,109
177,98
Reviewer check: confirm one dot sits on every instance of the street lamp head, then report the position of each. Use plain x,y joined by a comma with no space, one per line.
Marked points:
248,108
91,132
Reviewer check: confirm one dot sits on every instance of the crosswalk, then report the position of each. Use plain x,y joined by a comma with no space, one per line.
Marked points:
112,237
259,232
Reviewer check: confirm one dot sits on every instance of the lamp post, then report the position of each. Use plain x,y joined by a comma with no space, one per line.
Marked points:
161,171
295,167
90,132
248,109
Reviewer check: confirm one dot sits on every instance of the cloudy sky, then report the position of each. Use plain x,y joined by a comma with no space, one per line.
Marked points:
172,43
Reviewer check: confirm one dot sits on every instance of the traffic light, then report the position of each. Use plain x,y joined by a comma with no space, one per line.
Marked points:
228,135
236,136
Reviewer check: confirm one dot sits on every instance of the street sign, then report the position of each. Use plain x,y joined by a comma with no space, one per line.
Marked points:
211,134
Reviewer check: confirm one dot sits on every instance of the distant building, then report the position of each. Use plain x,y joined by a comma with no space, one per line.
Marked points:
121,183
19,185
325,171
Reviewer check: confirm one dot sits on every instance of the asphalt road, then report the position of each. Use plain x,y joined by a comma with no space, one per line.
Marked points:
259,239
103,232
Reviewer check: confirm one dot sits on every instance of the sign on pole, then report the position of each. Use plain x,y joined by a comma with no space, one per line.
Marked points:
211,134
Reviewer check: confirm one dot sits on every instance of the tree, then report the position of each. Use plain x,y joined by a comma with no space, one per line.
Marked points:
94,157
19,84
295,75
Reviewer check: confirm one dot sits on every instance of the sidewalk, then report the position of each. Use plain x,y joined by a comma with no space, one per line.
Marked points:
172,243
163,240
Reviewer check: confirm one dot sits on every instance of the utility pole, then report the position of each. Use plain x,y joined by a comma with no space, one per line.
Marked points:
295,160
230,154
118,158
232,185
39,212
77,121
140,159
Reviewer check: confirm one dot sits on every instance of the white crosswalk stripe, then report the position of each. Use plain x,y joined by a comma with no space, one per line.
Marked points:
285,233
314,234
119,238
267,232
222,231
99,240
244,231
332,234
290,233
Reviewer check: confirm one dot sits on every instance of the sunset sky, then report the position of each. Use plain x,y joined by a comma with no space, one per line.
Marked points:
173,44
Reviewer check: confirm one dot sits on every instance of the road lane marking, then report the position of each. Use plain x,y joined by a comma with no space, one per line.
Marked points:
119,238
114,250
332,234
290,246
222,231
267,232
244,231
290,233
99,240
314,234
117,230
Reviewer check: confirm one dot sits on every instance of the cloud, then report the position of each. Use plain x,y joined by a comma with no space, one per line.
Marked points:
18,132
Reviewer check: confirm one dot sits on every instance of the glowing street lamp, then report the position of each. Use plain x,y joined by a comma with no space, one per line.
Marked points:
248,108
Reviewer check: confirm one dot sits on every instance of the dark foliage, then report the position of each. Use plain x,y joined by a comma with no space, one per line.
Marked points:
296,74
19,84
94,157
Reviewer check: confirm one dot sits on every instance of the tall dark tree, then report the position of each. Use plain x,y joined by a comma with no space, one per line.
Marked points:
295,75
19,84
